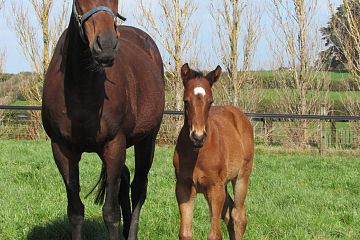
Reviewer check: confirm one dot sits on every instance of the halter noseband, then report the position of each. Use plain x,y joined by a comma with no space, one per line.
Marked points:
81,19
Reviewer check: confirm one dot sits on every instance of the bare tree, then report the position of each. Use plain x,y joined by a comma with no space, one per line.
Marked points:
2,61
295,50
235,42
37,36
2,53
345,28
346,31
177,33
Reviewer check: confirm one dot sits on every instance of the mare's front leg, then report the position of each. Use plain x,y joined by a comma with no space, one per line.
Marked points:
113,157
67,161
144,154
185,196
215,195
124,199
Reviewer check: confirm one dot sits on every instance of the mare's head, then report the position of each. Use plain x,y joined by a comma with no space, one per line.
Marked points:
96,21
198,99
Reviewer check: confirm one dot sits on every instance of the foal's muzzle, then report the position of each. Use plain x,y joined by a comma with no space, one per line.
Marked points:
198,139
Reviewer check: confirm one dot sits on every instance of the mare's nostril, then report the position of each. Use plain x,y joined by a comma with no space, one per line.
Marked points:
98,42
97,46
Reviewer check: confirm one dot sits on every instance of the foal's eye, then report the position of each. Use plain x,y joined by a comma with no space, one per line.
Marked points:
211,102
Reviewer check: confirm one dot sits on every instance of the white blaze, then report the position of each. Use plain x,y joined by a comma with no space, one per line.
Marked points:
199,90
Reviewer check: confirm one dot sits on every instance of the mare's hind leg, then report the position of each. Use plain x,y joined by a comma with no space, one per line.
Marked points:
226,214
113,156
144,154
238,214
124,199
67,162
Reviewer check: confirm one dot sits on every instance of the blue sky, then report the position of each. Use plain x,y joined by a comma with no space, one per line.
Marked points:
15,61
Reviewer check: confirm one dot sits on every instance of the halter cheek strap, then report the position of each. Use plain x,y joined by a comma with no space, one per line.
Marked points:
81,19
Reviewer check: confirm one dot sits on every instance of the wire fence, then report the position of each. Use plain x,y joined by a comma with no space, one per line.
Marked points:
307,131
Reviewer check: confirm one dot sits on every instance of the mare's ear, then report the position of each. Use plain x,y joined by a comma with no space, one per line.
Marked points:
213,76
185,73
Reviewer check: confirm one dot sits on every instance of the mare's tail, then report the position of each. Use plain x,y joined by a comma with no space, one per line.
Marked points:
101,184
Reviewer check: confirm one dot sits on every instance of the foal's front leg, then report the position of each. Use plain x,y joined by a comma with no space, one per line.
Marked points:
215,195
67,162
185,195
113,156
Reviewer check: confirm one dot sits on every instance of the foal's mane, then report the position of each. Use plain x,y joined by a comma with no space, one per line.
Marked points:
195,74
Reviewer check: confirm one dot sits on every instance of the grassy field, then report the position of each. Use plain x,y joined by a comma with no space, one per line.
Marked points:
292,196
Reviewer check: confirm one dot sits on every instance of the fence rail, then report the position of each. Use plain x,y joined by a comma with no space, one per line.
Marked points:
319,131
257,117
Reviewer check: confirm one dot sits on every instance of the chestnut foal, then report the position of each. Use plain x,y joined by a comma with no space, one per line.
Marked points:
215,146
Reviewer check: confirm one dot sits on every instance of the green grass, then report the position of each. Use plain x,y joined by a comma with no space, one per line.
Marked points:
332,76
20,103
291,196
273,95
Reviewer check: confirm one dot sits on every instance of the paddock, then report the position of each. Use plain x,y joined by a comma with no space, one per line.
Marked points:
292,195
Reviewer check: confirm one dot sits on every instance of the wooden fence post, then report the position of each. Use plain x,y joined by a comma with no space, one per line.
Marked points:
333,133
322,131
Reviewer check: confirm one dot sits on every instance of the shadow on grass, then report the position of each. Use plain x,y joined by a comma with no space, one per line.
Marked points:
93,229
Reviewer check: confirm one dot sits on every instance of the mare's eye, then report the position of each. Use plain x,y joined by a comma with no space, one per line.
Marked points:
186,102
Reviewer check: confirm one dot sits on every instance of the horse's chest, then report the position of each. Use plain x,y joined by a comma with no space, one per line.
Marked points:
204,173
87,127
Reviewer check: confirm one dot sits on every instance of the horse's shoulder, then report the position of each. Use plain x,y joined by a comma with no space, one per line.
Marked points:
227,116
138,38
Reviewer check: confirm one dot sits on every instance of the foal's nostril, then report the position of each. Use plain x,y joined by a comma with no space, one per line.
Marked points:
198,137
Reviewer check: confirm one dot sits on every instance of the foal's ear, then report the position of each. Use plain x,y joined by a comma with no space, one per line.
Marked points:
213,76
185,73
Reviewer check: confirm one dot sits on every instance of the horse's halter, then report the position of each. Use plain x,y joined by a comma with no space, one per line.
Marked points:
81,19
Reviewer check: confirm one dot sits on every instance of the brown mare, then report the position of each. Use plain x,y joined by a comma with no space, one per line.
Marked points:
215,146
104,92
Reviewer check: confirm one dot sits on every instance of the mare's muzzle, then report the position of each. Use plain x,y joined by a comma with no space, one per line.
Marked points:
104,49
106,43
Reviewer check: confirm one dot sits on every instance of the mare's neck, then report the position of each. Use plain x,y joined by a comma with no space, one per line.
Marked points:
80,63
82,84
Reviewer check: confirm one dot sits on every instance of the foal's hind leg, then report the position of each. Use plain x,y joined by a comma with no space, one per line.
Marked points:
67,162
226,214
215,195
113,156
238,214
144,154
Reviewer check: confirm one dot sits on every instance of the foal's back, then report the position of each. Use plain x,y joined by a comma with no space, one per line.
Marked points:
235,131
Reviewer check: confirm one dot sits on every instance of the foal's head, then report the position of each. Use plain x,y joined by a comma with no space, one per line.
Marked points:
96,21
198,99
